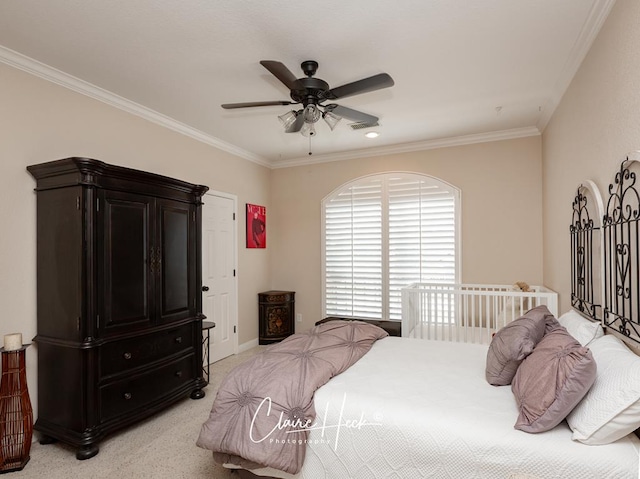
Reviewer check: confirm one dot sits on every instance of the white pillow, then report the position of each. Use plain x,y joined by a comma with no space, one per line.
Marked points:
611,408
580,327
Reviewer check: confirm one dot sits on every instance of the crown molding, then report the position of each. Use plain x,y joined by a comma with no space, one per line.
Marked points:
597,16
46,72
595,20
411,147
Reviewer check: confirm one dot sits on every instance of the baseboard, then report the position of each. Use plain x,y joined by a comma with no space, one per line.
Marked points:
247,346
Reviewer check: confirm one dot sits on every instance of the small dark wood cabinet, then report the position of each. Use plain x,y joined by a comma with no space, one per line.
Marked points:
277,315
119,309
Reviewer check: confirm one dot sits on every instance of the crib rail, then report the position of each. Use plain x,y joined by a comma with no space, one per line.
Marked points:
466,312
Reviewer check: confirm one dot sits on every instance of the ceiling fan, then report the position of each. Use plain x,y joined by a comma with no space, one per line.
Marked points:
312,93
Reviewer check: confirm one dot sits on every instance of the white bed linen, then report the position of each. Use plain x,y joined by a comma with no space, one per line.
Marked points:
440,419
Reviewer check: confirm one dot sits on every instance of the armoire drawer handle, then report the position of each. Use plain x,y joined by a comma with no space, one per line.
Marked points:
127,355
179,339
127,396
179,374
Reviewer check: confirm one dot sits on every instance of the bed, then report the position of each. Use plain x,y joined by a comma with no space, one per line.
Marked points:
414,407
461,431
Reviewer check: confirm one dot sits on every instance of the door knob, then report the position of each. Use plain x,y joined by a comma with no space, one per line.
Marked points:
205,288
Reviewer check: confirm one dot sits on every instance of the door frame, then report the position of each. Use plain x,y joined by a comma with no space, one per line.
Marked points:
234,199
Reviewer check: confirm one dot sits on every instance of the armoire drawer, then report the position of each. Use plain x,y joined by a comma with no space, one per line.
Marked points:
125,355
129,394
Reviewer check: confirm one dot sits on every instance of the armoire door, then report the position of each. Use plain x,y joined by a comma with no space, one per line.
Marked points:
175,260
125,274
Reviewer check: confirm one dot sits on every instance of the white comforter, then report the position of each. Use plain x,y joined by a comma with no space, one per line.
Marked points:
418,408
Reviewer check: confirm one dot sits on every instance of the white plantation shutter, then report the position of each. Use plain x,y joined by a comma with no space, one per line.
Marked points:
422,235
382,233
353,251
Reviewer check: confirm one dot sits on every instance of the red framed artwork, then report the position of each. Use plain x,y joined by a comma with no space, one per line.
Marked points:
256,226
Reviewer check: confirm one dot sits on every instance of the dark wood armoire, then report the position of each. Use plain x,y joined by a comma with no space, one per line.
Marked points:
119,304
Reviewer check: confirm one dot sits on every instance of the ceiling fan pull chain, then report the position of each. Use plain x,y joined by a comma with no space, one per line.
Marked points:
310,152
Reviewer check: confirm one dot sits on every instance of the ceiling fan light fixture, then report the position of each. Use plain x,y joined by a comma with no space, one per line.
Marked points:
308,129
331,119
287,119
311,113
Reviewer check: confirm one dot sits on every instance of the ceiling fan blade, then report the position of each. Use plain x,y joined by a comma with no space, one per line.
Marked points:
297,125
351,114
376,82
231,106
281,72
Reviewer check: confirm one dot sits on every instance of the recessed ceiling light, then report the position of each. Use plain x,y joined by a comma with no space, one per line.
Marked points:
372,134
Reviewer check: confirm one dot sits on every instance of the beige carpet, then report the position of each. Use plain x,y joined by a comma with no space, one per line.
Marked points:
160,447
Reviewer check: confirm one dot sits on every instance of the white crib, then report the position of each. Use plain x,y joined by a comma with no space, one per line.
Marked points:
467,312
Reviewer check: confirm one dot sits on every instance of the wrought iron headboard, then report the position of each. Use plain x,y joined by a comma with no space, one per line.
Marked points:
586,258
621,235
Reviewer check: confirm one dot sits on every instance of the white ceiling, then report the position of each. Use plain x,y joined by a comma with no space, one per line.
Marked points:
464,71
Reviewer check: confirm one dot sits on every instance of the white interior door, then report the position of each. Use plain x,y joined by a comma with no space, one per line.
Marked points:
219,303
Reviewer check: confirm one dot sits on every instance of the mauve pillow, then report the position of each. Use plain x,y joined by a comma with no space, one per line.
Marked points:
511,344
552,324
551,381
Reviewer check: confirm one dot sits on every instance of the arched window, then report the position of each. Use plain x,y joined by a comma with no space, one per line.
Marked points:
383,232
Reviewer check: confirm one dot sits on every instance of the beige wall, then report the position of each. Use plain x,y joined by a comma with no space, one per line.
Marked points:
41,121
501,213
595,126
